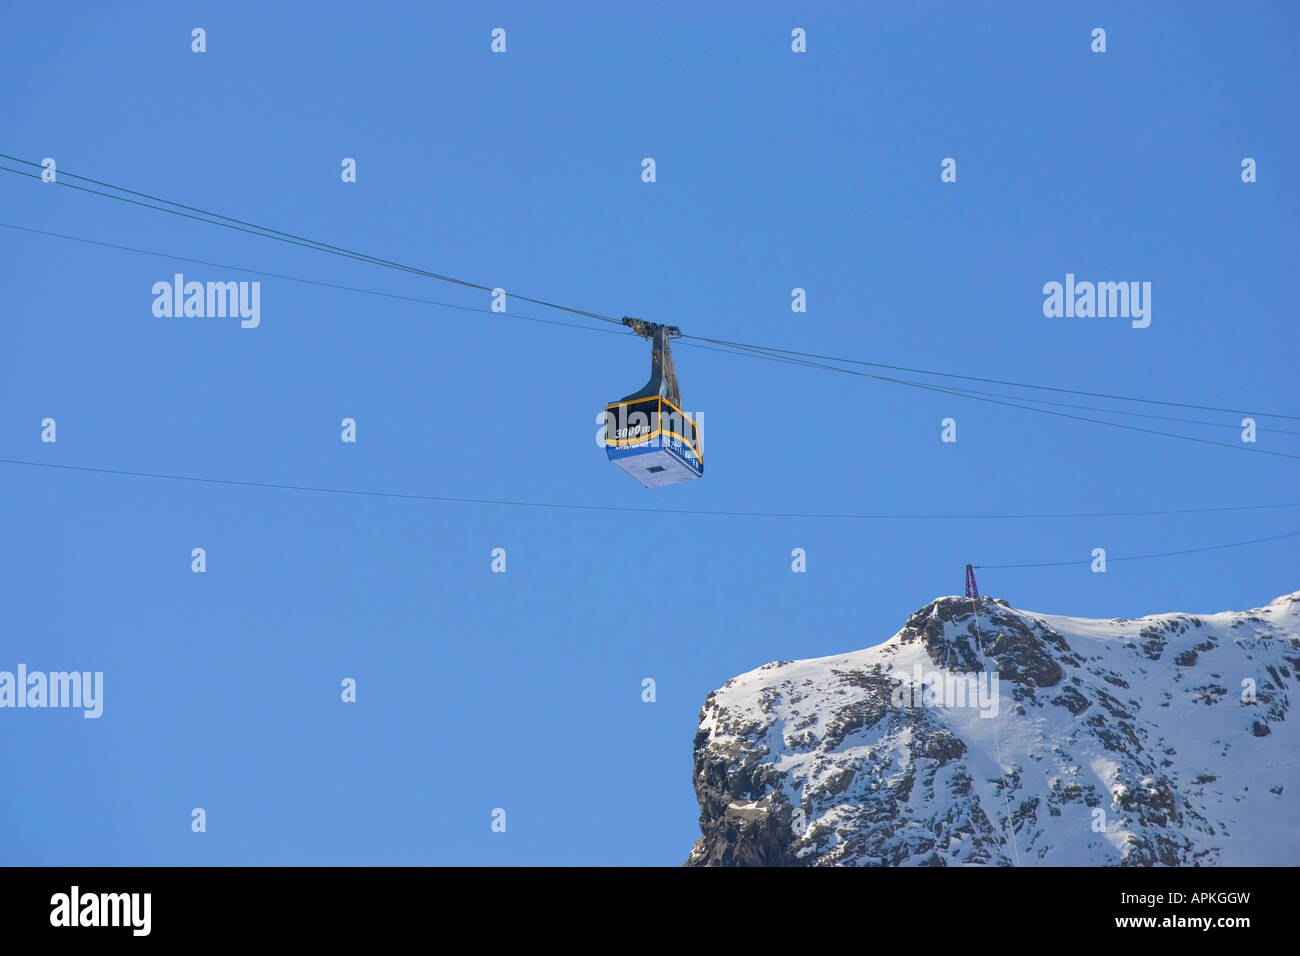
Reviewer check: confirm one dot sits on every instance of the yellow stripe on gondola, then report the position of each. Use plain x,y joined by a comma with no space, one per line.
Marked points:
620,442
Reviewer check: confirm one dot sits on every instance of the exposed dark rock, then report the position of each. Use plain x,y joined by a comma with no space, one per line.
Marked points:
838,762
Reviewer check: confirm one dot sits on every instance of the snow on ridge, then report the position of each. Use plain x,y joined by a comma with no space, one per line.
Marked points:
1160,740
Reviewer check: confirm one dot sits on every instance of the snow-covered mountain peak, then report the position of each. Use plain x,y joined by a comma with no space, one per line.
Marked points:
984,734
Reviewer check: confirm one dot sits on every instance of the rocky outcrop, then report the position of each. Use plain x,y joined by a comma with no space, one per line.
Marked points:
982,734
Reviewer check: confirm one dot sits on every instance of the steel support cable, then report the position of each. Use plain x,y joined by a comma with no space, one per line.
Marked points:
989,381
572,325
294,239
265,232
1143,557
505,502
758,351
316,282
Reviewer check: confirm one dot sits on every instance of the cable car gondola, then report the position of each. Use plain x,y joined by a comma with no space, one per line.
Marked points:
647,434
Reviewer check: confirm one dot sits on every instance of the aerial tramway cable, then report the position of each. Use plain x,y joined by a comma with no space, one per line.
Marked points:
202,215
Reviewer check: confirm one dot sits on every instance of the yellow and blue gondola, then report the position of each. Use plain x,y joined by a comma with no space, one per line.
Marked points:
646,433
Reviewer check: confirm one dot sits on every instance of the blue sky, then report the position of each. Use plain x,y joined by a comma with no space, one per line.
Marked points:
775,170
